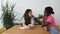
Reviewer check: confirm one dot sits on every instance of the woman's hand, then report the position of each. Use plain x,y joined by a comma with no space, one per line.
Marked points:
30,26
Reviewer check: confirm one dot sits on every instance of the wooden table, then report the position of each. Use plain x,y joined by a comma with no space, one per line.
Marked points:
15,30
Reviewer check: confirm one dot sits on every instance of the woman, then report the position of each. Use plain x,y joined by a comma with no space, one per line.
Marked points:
28,20
48,21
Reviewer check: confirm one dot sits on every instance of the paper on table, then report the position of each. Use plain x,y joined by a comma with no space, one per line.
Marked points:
26,27
22,27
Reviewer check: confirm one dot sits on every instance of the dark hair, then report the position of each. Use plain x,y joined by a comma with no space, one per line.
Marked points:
26,17
49,10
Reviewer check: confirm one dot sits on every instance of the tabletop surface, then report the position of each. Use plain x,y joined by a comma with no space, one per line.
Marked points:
15,30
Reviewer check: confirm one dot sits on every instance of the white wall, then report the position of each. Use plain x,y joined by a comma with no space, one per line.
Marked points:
37,6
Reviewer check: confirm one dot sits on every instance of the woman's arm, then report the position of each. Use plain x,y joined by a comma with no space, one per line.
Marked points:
32,23
31,26
23,22
24,25
28,26
44,23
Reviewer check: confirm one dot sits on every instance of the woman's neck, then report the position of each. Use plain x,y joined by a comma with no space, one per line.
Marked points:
48,15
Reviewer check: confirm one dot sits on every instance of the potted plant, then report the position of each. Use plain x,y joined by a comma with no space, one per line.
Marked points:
8,15
40,16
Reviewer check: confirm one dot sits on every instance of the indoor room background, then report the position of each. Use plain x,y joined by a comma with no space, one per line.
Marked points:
37,7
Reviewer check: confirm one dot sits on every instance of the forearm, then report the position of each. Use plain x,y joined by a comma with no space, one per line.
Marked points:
31,25
45,24
24,24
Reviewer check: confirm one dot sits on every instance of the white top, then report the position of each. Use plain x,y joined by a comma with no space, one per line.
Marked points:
32,20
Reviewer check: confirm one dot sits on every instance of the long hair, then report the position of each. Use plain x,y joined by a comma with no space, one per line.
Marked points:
26,17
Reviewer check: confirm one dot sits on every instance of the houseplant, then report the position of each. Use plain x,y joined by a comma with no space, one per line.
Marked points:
40,16
8,15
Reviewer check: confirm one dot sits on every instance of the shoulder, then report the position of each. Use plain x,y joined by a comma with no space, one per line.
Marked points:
22,18
50,17
32,17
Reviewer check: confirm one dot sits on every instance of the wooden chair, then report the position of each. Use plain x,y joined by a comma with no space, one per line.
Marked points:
2,30
58,27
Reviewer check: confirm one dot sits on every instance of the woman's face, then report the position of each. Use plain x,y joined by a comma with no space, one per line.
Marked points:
30,14
45,13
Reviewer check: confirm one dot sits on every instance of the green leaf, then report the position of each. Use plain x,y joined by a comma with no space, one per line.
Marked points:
8,15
